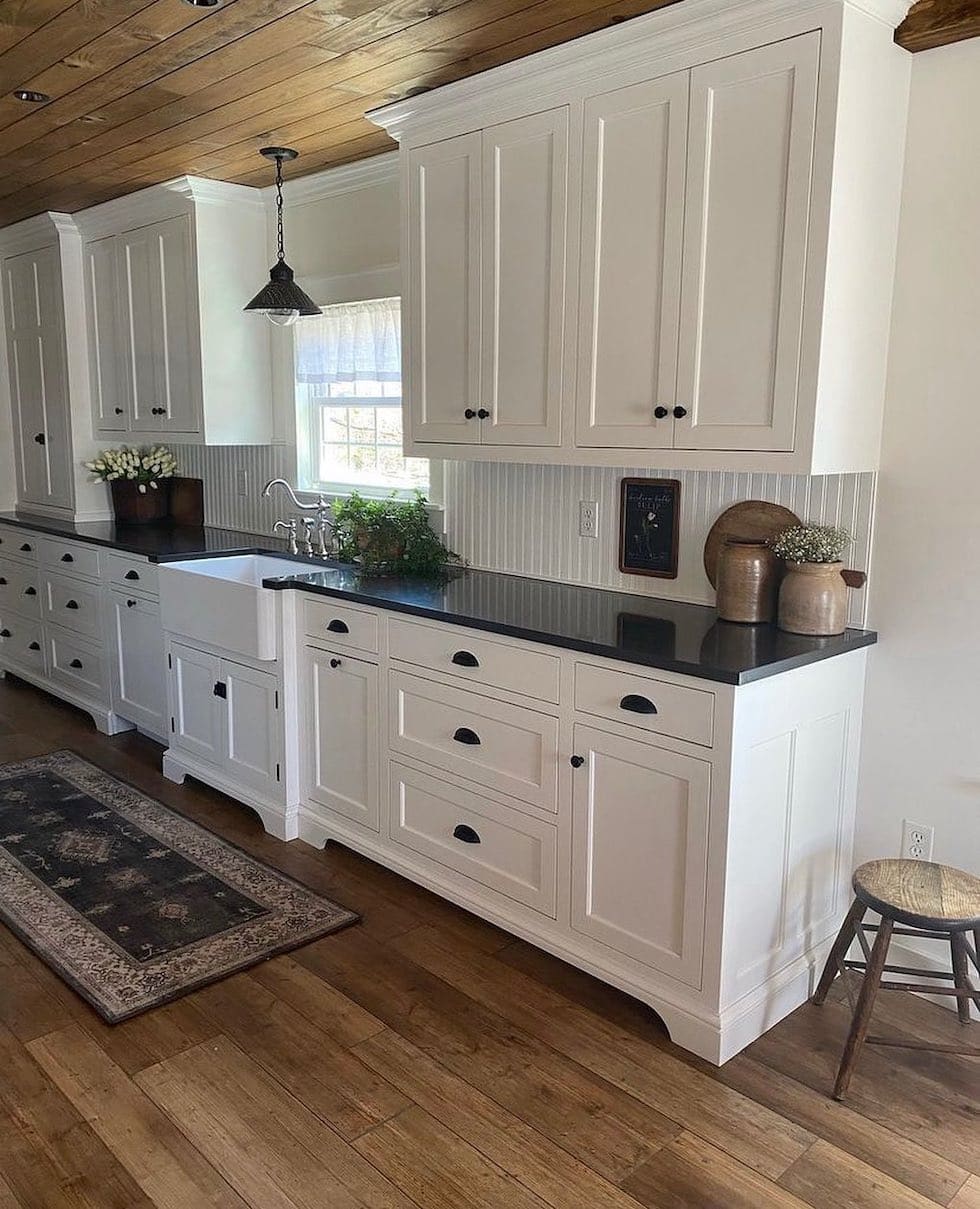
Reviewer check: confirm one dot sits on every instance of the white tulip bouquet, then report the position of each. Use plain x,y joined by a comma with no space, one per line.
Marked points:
146,465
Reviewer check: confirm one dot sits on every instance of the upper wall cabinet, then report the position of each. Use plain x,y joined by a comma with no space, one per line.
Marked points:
171,354
669,244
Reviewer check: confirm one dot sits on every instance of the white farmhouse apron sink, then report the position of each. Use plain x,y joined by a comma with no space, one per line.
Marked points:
221,601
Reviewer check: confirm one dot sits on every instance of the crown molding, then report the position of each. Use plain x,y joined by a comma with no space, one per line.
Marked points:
42,231
159,202
332,182
678,31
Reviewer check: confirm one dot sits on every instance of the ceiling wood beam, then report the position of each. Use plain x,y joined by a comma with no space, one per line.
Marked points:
932,23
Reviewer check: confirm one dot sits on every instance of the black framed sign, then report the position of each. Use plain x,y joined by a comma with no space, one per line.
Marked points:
649,526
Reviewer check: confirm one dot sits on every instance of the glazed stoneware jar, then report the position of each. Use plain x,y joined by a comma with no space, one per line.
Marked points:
748,581
813,599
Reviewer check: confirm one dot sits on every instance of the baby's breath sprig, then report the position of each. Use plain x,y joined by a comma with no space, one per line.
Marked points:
811,544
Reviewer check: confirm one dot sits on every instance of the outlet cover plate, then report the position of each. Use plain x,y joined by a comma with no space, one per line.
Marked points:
917,841
588,518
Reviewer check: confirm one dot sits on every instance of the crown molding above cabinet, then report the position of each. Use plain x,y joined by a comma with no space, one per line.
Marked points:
675,237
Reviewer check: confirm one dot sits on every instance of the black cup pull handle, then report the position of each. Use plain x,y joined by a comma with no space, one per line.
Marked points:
465,659
469,737
465,834
637,705
132,575
33,646
75,663
71,604
4,633
67,558
220,689
3,582
26,548
338,627
29,591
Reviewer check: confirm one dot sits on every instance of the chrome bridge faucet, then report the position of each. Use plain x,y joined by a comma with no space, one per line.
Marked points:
317,537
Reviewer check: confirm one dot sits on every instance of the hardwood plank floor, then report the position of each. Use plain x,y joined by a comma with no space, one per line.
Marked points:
427,1060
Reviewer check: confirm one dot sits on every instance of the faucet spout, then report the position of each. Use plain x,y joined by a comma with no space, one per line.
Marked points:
301,507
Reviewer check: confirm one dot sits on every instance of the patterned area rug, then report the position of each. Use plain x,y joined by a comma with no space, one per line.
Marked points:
130,903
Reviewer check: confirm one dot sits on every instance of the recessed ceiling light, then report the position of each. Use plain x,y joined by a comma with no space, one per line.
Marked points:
203,3
28,94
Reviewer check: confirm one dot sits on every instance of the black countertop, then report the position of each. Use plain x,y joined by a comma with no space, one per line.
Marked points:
664,634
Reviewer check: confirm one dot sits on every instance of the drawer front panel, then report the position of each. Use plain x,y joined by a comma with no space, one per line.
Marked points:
132,574
21,644
651,705
503,747
76,606
490,844
340,625
76,663
518,668
73,558
18,543
18,589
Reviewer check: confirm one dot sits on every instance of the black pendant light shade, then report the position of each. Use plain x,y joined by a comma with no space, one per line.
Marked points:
281,299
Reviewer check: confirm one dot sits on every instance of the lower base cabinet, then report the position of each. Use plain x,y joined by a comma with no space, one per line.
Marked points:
640,851
136,649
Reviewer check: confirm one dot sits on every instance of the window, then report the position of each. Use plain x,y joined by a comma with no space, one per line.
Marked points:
348,401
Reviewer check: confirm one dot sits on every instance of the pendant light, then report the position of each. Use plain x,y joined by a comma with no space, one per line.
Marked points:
282,299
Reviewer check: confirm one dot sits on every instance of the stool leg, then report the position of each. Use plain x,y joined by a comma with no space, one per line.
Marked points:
961,976
839,950
865,1004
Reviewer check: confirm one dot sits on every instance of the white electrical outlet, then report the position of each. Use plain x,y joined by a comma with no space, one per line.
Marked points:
588,518
917,841
242,477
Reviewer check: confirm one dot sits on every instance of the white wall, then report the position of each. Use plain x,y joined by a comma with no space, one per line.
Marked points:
921,757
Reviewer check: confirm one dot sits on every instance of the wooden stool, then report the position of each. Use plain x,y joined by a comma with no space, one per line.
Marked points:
933,901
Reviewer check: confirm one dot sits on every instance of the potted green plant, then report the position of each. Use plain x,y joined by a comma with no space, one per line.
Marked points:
390,535
137,478
813,594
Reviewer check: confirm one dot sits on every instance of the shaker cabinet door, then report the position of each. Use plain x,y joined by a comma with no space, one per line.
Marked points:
252,747
750,163
635,158
104,348
442,314
198,713
525,234
137,663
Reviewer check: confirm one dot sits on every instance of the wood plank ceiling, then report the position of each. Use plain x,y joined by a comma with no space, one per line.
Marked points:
145,90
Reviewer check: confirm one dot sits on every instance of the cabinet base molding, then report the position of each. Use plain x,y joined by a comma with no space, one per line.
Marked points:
690,1025
107,722
275,819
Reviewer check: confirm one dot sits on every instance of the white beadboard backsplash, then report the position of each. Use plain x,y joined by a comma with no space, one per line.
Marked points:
524,519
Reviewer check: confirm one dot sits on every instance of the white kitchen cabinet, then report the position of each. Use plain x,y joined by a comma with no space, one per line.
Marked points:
196,721
634,173
109,400
158,316
726,183
525,233
753,119
137,661
640,845
38,376
250,726
342,748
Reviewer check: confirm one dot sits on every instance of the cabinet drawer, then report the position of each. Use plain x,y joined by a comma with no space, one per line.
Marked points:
18,589
503,747
76,663
76,606
21,644
18,543
518,668
71,557
489,844
652,705
340,625
131,574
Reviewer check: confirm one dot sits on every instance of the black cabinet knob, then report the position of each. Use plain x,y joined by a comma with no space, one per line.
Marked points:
338,627
465,659
75,663
67,558
4,633
335,663
71,604
130,604
634,704
483,414
3,582
132,575
33,646
118,411
40,438
465,834
661,413
680,413
469,413
467,737
577,761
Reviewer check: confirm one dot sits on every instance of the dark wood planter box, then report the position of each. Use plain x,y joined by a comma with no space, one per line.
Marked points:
133,507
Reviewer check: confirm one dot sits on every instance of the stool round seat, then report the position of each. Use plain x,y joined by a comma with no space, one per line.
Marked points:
921,894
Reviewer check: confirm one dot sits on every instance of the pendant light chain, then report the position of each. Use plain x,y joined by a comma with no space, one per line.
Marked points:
282,249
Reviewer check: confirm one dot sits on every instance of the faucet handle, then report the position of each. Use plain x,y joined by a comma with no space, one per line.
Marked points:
288,527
